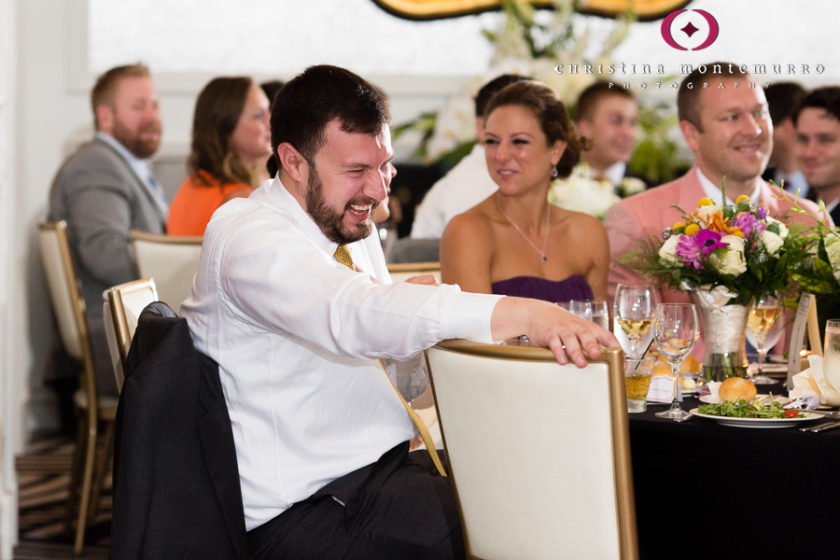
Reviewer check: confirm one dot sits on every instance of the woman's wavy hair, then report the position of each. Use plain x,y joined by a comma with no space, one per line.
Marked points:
217,111
550,113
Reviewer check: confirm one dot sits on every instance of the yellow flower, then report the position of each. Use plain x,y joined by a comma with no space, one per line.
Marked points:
692,229
678,225
741,199
704,202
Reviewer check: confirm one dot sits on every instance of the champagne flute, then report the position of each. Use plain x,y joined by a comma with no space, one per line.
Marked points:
765,327
675,331
633,310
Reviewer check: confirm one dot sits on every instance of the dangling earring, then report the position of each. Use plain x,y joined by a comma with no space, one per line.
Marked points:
554,173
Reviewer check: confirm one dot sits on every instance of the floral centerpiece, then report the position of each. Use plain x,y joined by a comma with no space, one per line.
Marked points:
726,256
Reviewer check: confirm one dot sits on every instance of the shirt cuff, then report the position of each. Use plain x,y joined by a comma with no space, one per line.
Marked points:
467,315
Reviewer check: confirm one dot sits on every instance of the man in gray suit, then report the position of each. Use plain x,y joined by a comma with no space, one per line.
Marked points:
106,188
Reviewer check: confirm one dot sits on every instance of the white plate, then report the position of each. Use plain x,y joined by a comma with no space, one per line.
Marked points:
759,422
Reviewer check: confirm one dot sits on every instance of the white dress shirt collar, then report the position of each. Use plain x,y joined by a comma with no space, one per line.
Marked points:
714,194
275,193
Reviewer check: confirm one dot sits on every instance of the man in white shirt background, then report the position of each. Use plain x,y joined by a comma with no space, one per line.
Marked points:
321,437
607,115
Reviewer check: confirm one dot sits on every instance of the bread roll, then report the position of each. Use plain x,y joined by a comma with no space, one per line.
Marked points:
737,388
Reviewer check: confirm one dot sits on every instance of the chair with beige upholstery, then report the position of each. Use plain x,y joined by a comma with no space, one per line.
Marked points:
121,309
97,412
539,453
171,260
400,272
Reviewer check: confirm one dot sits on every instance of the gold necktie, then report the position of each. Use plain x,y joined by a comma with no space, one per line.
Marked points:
342,255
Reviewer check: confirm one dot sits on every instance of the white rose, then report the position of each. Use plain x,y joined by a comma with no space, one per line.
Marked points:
772,242
832,249
668,251
731,260
580,193
706,212
783,230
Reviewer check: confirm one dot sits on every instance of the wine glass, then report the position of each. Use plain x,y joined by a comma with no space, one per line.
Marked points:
633,310
764,326
581,308
675,331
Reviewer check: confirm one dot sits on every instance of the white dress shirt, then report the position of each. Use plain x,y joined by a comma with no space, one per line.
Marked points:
297,337
466,184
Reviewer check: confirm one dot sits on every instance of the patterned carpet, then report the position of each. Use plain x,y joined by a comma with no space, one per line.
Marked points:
43,478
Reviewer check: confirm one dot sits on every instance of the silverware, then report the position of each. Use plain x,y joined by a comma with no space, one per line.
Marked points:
822,427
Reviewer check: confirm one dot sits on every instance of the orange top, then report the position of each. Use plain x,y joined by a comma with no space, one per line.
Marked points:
196,201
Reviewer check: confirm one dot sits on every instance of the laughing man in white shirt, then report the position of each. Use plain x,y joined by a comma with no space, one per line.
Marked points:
321,437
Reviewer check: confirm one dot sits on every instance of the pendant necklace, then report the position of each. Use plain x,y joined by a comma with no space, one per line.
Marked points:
541,252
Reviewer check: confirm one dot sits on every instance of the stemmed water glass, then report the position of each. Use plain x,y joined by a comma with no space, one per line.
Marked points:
763,331
633,310
675,331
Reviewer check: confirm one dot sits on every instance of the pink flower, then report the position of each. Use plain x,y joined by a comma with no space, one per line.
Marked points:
693,249
749,223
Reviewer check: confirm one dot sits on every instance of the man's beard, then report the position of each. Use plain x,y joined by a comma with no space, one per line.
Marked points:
135,143
330,221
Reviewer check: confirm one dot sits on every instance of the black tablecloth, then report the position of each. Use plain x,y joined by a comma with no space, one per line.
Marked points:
709,491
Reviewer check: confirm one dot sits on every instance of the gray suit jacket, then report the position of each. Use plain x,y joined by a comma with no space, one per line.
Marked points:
102,200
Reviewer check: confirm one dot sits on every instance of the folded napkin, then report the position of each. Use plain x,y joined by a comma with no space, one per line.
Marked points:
813,382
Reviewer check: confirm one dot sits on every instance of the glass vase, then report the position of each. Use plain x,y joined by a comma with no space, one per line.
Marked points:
724,329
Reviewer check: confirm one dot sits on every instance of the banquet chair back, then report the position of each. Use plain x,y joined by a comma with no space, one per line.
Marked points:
539,454
171,260
400,272
69,309
121,309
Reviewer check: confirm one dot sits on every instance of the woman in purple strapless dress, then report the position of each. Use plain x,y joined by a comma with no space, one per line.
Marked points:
514,242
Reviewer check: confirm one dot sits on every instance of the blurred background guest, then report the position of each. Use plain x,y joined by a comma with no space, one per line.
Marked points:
783,99
818,145
607,115
105,189
515,242
231,142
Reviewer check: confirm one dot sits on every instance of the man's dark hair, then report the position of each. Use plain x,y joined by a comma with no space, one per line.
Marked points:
590,97
783,98
827,98
491,87
309,101
692,84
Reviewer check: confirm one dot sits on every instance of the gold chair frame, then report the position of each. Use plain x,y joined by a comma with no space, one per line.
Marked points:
123,332
89,466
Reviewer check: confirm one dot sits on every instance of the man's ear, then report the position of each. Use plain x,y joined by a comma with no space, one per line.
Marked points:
292,162
104,119
691,134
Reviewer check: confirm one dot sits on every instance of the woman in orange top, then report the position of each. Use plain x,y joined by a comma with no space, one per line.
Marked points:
231,140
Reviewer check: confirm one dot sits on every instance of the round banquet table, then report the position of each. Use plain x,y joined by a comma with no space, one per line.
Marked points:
708,491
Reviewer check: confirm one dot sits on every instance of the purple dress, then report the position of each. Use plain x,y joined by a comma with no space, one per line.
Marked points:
574,287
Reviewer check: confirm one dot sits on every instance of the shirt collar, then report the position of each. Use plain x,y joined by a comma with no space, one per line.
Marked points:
714,194
275,193
614,173
140,166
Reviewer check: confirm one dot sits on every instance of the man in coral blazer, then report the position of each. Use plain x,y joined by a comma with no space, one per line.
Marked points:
725,121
